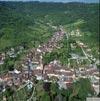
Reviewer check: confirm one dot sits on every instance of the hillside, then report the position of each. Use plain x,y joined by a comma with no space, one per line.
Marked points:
18,20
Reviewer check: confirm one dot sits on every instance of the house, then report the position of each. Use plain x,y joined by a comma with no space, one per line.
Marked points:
2,58
96,88
38,74
62,85
11,53
91,71
29,84
93,99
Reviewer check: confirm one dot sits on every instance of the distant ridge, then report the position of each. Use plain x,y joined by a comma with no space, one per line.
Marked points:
37,2
55,1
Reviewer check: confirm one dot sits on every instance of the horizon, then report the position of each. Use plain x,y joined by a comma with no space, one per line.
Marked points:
63,1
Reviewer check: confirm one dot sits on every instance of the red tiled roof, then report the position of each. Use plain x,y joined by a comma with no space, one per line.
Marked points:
37,71
49,71
67,73
91,71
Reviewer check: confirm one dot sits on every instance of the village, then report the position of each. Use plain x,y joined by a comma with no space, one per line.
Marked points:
32,66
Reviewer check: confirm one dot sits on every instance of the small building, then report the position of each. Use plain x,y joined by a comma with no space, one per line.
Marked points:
92,99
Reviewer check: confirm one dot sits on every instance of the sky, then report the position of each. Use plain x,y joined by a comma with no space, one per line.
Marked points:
88,1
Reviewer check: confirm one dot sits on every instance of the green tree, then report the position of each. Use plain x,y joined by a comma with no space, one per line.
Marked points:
81,90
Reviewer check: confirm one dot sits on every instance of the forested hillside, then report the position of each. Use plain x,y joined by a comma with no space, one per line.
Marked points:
21,23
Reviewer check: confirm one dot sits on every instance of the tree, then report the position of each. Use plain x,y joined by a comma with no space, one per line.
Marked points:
81,90
54,90
9,93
